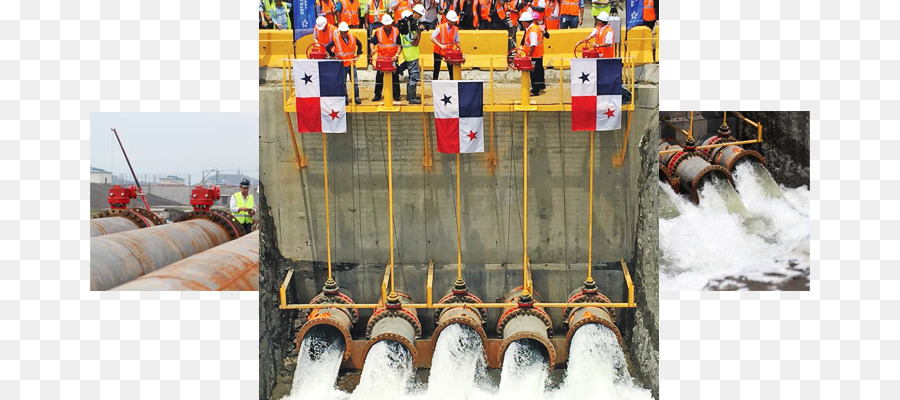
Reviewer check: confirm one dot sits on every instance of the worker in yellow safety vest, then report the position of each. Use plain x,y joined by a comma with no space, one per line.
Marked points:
242,206
604,40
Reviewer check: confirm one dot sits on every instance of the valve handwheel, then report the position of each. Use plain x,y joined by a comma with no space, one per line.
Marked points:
316,50
585,47
517,59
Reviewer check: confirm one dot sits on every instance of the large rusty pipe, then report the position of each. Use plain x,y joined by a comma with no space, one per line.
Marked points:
230,266
399,324
728,156
326,318
690,168
576,317
523,321
472,317
124,256
121,220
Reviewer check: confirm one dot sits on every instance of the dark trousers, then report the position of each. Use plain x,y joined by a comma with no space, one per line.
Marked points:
484,25
568,21
437,67
247,228
345,73
379,84
537,76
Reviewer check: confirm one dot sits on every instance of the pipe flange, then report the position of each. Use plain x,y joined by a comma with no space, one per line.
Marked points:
509,314
397,338
141,217
339,298
593,320
695,185
463,320
223,219
402,313
744,153
468,298
582,298
551,351
318,316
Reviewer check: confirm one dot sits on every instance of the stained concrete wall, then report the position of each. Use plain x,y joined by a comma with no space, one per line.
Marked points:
424,207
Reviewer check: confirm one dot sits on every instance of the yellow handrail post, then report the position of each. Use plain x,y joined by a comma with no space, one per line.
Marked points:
327,216
590,243
458,236
526,289
393,294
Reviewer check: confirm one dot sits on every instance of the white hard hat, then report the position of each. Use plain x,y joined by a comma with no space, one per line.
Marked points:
343,27
603,16
405,13
419,9
320,23
386,20
451,16
526,17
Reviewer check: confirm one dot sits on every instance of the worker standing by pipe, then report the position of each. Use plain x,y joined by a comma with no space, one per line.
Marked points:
242,205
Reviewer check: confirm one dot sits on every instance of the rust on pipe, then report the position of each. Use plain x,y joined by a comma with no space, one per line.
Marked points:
578,316
124,256
524,321
690,168
121,220
230,266
398,324
472,317
728,156
329,317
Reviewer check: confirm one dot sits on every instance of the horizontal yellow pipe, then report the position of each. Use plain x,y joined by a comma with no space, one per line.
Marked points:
711,146
456,305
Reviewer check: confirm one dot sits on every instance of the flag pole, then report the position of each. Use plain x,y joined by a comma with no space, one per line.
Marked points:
392,297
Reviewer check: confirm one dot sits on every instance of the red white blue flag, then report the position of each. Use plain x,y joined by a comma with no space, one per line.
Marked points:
320,90
459,116
596,94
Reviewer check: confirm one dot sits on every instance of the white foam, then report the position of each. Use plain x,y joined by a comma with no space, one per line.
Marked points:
387,372
706,241
318,364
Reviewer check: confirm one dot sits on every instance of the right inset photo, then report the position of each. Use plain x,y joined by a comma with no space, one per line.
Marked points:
734,200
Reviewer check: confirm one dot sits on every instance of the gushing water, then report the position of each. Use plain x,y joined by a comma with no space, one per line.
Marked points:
317,367
387,372
711,243
458,364
597,368
524,372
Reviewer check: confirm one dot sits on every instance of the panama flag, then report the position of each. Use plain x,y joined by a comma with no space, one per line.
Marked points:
596,94
459,116
320,89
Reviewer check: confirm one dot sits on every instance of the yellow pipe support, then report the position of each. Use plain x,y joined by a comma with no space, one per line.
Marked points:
457,72
302,162
390,192
526,89
628,283
388,89
591,209
384,284
492,82
492,156
712,146
561,98
327,216
619,159
283,290
426,159
429,283
526,288
459,305
458,236
690,132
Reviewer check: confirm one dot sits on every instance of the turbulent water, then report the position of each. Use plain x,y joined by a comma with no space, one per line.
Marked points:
596,370
317,368
754,238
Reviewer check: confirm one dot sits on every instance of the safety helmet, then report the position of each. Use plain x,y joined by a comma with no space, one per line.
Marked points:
419,9
536,16
451,16
343,27
245,183
603,16
320,23
386,20
405,13
526,17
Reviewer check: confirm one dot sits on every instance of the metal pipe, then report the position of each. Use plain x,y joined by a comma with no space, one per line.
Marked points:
580,315
524,321
124,256
122,219
689,168
400,324
230,266
728,155
105,226
328,317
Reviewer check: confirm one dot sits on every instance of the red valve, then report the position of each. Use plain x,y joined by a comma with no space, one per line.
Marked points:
588,50
203,198
518,60
385,64
316,51
453,54
119,196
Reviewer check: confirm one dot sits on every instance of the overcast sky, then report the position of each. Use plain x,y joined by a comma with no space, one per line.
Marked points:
176,143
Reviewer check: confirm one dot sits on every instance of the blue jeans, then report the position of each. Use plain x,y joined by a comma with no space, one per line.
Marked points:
345,72
568,21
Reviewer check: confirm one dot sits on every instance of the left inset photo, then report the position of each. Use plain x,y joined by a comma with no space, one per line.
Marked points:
173,201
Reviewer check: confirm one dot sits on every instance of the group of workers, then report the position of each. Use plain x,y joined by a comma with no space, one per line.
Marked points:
399,40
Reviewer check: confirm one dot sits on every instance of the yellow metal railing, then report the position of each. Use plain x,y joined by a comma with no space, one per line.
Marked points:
630,303
757,125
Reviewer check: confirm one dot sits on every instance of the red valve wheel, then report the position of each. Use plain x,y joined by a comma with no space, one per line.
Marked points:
316,51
